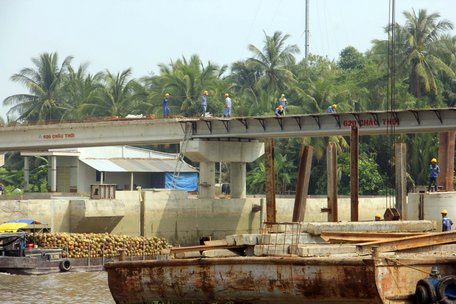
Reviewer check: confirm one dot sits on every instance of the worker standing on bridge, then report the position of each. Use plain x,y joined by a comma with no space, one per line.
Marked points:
166,106
332,108
434,171
227,110
282,101
446,221
204,103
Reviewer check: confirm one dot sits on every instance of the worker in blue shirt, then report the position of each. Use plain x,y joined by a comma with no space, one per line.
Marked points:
227,110
446,222
434,171
204,103
332,108
279,111
166,106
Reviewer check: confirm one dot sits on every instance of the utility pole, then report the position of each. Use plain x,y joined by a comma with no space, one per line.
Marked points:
306,52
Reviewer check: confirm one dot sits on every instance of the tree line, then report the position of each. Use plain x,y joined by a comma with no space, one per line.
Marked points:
424,77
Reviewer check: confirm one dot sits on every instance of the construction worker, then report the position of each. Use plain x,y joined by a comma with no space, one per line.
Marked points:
283,102
434,171
332,108
204,103
446,222
166,106
378,217
227,110
279,111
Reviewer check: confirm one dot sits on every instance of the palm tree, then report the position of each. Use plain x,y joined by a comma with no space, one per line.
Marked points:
81,90
117,97
423,31
43,102
185,80
273,61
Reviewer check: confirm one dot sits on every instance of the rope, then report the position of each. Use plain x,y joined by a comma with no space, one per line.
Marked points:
399,263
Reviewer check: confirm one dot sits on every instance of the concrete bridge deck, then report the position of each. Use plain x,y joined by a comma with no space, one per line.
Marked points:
155,131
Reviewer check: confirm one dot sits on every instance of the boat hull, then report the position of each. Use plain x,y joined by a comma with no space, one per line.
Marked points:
244,280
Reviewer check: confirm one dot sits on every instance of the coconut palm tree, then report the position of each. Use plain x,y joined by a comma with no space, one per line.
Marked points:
44,83
423,30
117,97
273,60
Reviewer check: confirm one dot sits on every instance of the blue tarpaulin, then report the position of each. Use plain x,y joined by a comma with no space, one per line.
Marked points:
187,181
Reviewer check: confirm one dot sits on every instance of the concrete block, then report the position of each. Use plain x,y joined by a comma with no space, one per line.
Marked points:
188,255
289,239
324,250
381,226
219,253
273,250
230,240
246,239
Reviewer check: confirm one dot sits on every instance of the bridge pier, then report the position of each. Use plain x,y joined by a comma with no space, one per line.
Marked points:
236,153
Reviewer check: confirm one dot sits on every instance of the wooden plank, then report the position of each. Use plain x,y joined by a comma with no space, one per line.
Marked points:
216,243
362,237
428,239
201,248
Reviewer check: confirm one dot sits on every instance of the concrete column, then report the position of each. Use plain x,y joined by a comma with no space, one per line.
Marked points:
354,182
26,173
400,151
53,175
271,210
302,184
237,180
207,180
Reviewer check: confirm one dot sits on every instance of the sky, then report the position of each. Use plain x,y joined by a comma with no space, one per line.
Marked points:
141,34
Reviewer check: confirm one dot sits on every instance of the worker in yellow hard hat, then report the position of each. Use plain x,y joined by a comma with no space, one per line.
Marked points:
434,171
204,102
446,221
332,108
165,103
227,110
378,217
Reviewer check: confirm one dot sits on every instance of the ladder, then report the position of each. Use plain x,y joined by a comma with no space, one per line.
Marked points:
180,156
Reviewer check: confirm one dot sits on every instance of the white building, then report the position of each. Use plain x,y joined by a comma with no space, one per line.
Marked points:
76,169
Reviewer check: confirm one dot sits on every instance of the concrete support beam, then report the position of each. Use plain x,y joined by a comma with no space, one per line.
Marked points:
26,173
400,153
207,180
446,160
331,168
53,173
237,180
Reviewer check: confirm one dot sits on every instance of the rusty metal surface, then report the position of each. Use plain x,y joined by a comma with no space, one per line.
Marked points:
446,160
397,277
302,184
270,180
244,280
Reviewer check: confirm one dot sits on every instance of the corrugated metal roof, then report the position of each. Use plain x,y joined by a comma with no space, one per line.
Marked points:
136,165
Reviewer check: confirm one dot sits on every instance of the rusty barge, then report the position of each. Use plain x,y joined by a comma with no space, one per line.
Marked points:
333,267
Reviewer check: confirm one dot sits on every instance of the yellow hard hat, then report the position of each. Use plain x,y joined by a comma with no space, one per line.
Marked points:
280,107
205,92
444,211
334,105
433,160
226,94
378,215
167,94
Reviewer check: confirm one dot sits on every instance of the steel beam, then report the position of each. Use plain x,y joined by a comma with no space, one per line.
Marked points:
270,180
302,184
354,182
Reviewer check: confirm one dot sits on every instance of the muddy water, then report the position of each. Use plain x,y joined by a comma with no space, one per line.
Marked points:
68,287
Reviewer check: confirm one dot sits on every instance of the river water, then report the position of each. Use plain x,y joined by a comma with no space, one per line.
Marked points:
61,288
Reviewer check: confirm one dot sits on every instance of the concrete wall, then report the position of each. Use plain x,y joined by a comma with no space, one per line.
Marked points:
432,204
183,220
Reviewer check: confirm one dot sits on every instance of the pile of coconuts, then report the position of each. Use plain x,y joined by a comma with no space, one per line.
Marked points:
83,245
